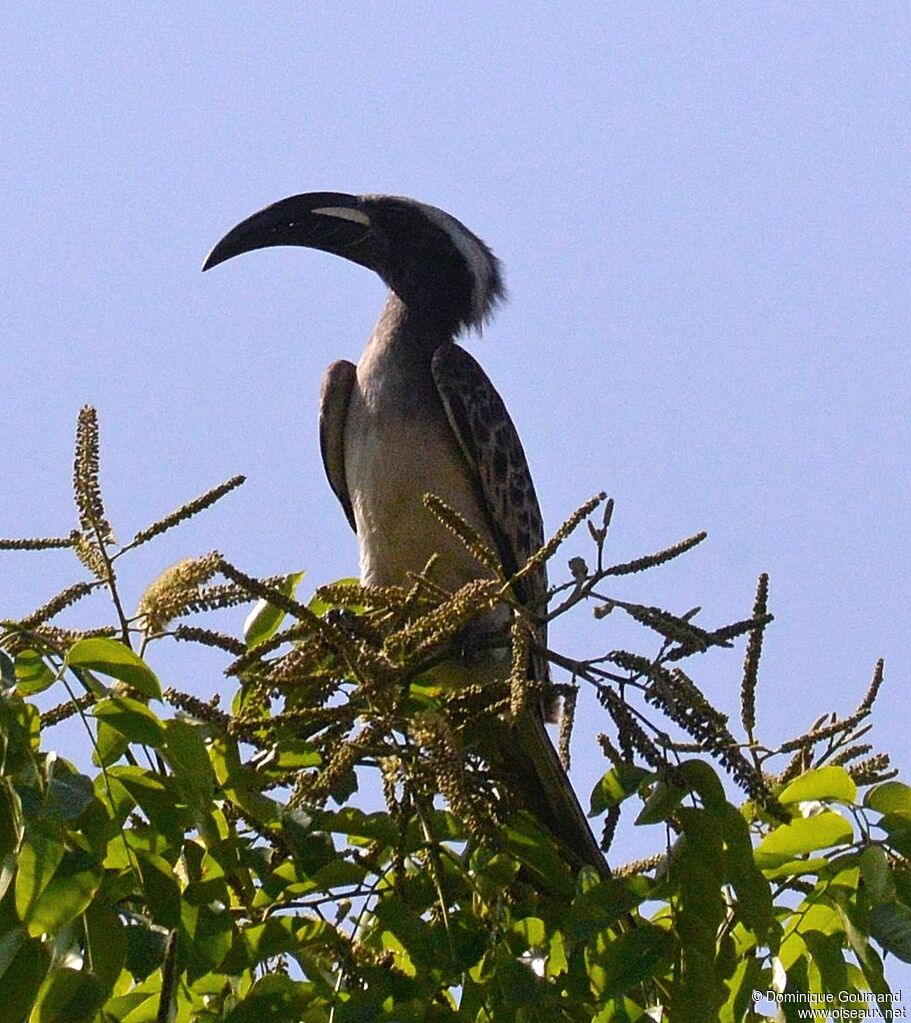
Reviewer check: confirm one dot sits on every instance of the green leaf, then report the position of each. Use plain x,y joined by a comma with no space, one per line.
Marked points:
660,802
39,857
797,985
617,784
557,960
531,929
67,996
468,939
21,979
7,669
796,868
263,621
803,835
898,831
32,673
242,785
821,783
877,875
20,733
754,894
745,980
272,999
161,890
10,944
211,932
598,908
891,797
901,879
66,895
157,795
703,779
110,745
9,821
821,909
280,934
520,987
890,925
311,849
617,964
870,962
294,755
107,943
137,1006
339,873
697,869
319,606
67,796
826,950
355,823
402,929
492,873
109,657
185,750
145,949
132,719
537,850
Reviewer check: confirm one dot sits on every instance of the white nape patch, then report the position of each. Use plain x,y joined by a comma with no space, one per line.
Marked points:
345,213
474,254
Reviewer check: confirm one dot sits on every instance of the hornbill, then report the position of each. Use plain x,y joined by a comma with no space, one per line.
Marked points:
417,415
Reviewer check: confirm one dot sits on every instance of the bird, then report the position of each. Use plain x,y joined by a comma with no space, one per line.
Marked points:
418,415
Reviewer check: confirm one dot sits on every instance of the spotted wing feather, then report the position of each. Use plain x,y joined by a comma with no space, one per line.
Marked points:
494,453
492,448
333,413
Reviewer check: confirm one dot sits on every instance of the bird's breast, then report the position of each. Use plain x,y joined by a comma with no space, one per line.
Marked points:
398,447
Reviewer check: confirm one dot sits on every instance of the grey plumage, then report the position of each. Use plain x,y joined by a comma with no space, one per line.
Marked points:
418,414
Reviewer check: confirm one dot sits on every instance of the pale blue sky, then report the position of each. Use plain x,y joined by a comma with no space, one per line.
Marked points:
703,214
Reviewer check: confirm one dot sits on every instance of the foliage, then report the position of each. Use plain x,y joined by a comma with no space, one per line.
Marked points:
224,865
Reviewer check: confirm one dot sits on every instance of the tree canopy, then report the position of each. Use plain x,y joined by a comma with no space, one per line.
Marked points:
226,863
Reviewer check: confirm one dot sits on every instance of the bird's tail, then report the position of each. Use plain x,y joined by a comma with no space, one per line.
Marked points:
536,777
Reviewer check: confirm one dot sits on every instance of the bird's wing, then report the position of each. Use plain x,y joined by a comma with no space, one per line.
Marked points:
494,453
497,461
492,448
333,412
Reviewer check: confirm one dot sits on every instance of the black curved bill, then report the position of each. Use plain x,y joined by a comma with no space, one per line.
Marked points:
331,221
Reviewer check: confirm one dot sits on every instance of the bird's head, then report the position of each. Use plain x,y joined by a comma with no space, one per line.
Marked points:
435,265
